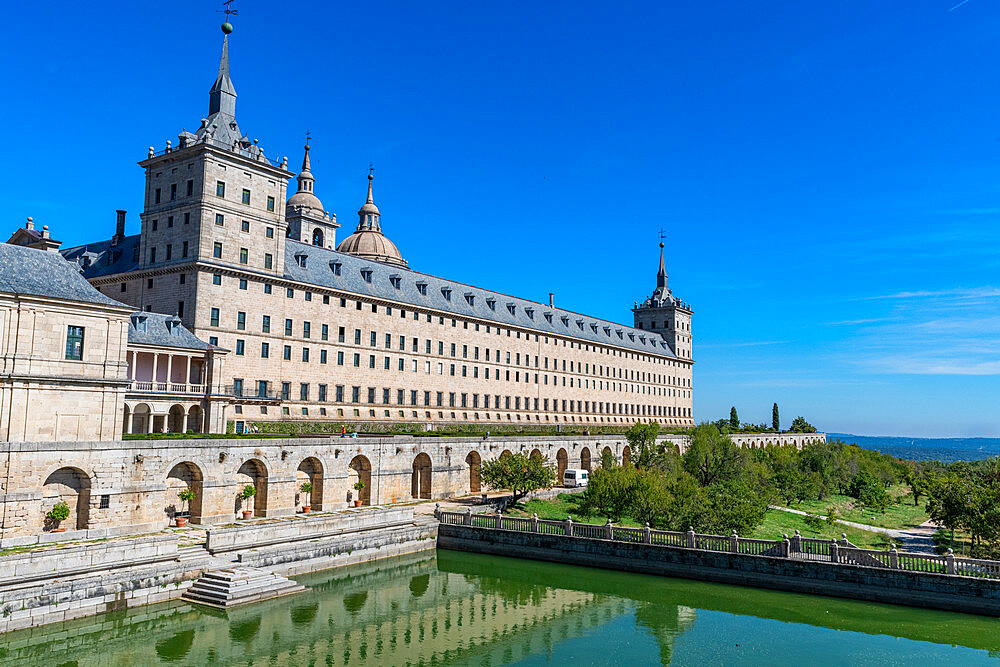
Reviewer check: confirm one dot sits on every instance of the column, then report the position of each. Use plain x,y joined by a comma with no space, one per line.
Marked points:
170,370
149,422
156,359
128,422
187,371
131,366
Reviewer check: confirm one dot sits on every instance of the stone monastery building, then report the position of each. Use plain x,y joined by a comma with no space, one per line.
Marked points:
312,329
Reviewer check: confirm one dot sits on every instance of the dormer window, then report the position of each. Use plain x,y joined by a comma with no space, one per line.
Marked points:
530,312
366,274
579,323
594,327
607,331
446,292
422,288
470,298
335,267
492,303
548,317
301,260
620,333
396,280
512,308
642,339
565,321
631,336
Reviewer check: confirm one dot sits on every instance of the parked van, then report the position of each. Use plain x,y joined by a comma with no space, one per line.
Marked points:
575,477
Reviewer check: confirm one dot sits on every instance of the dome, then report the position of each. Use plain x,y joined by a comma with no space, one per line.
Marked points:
371,245
306,199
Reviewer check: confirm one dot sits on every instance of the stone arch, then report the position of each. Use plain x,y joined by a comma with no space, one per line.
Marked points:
252,472
505,454
184,475
360,470
585,458
175,419
626,455
195,419
474,462
420,486
317,238
141,414
310,470
536,454
71,486
562,462
606,453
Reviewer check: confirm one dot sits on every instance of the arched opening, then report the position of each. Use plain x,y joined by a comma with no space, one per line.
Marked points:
175,419
505,454
141,415
562,462
253,473
536,454
626,455
311,471
474,461
360,470
127,419
585,458
182,476
318,237
421,483
70,486
607,456
195,417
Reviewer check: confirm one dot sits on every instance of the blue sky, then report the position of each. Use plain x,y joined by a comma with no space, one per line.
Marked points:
826,173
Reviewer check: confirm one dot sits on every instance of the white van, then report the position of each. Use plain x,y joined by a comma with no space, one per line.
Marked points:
575,477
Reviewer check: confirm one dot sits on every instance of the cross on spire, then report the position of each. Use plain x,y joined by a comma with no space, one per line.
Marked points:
228,9
308,135
663,234
371,169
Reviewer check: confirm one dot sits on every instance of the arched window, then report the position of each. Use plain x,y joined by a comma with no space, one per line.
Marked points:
318,237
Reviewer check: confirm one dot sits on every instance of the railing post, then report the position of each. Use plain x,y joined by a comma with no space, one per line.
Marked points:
834,557
437,511
786,547
609,531
569,526
893,558
949,560
534,523
498,522
468,516
797,542
692,544
843,540
734,543
648,534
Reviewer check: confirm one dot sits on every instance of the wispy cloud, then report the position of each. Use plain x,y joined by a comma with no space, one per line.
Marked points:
985,292
743,344
868,320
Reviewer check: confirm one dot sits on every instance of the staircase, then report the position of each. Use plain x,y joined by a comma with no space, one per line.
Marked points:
239,585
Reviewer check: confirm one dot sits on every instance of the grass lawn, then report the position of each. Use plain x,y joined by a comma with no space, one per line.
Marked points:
903,515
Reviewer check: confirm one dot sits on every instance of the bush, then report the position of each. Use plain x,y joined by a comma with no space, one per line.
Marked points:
186,495
249,491
59,512
306,487
518,473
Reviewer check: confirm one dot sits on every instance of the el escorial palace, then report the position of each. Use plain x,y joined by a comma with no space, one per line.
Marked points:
235,304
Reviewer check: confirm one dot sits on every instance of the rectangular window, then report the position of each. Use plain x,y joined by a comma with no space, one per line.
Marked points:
74,343
243,283
173,191
303,389
237,386
217,250
180,309
190,187
244,255
267,288
241,320
246,196
357,336
371,394
339,393
289,293
305,354
286,391
355,394
385,363
357,360
220,219
322,393
215,317
340,334
340,358
170,221
265,324
156,196
286,353
322,356
220,189
265,350
306,329
385,396
270,203
324,332
269,232
187,218
371,361
288,327
245,226
240,344
184,249
268,260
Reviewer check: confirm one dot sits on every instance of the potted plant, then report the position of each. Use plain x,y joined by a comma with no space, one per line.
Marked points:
249,491
58,513
358,485
186,495
307,488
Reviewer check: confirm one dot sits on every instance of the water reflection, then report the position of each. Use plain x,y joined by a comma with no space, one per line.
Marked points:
456,608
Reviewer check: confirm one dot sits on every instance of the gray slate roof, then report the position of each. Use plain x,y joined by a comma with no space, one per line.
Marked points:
103,259
505,310
151,329
34,272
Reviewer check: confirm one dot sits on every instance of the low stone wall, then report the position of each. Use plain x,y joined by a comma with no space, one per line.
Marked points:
305,527
18,567
918,589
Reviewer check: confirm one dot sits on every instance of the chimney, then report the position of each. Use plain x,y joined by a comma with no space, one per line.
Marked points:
119,228
45,231
552,300
30,224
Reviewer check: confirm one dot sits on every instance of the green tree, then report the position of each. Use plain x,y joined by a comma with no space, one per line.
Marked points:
610,492
775,422
642,441
800,425
734,419
712,457
948,501
518,473
733,505
869,491
790,481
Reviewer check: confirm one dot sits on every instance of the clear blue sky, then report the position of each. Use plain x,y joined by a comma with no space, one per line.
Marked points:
827,173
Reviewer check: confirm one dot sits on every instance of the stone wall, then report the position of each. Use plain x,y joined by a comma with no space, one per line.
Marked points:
919,589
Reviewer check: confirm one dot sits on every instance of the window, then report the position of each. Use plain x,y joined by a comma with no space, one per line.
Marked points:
267,288
239,347
152,255
355,394
303,391
217,250
269,232
220,189
215,317
237,386
169,251
123,287
245,226
265,350
340,334
246,196
170,221
324,332
243,283
371,361
190,187
270,207
286,390
306,329
156,196
265,324
289,293
309,296
357,360
149,283
340,358
74,343
322,356
187,217
286,353
339,393
268,260
220,219
184,249
288,327
244,255
357,336
241,320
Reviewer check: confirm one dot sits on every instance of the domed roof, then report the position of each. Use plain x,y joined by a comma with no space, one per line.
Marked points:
371,245
304,196
307,199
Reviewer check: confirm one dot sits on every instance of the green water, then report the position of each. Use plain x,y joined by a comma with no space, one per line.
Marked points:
452,608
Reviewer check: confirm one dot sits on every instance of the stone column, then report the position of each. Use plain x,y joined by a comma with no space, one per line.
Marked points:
468,517
692,543
128,422
187,371
170,370
569,526
949,560
609,531
834,556
149,422
156,358
647,534
534,523
734,543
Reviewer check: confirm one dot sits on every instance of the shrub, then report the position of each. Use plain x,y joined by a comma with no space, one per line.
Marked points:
187,495
249,491
59,512
306,487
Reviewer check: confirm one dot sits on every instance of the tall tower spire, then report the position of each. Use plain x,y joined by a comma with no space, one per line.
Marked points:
661,275
222,96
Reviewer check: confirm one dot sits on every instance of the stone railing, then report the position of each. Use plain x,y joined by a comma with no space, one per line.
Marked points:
797,547
166,388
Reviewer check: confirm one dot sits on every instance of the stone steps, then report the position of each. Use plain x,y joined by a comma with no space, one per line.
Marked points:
239,585
191,553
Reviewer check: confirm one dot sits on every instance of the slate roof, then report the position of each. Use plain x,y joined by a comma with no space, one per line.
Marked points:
28,271
103,259
397,283
151,329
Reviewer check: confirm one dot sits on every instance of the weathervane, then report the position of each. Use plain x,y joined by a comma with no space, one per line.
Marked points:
371,169
663,235
227,27
307,135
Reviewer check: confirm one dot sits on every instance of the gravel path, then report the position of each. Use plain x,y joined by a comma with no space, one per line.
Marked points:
916,539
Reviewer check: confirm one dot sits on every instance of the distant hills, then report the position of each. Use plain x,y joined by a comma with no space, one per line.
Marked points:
946,450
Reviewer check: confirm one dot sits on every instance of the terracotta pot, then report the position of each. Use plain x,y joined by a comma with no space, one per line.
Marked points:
247,514
357,503
180,521
58,530
306,508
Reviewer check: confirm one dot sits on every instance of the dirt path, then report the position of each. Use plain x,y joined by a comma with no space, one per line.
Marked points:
916,539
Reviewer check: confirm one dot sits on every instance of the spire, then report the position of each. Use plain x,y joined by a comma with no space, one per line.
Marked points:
305,177
371,177
369,213
661,275
222,96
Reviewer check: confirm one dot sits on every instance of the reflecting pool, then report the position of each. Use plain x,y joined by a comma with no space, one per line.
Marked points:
451,608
